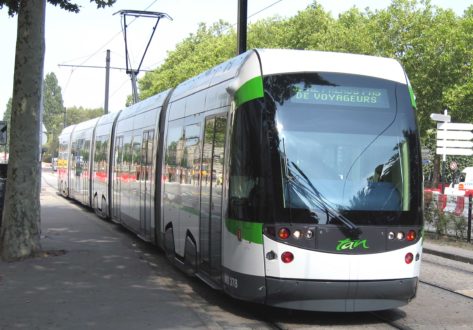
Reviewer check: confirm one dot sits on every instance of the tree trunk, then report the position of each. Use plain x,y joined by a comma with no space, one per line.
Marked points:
21,225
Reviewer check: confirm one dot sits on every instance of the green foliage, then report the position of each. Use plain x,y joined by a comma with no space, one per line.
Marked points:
268,33
444,223
197,53
14,5
459,225
435,217
434,45
351,34
76,115
309,29
53,111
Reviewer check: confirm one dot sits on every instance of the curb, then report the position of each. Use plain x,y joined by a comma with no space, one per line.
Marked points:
447,255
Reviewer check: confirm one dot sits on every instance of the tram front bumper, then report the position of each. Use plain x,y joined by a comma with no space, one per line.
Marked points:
340,296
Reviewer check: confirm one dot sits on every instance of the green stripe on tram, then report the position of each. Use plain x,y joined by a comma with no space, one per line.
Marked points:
413,97
252,89
249,231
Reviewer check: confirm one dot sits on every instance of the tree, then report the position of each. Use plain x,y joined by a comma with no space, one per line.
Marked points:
53,115
53,104
21,220
459,97
76,115
20,231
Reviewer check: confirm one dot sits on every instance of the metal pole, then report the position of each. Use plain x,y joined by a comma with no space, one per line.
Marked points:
443,176
107,81
242,25
444,156
469,218
134,86
65,117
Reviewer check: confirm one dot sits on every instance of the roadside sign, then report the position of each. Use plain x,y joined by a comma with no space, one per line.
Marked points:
455,151
454,143
425,154
453,165
455,135
439,117
453,138
455,126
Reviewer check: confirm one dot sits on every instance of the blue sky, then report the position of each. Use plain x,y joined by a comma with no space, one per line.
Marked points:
82,39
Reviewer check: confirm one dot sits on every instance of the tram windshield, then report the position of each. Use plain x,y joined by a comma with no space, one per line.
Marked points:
326,148
344,144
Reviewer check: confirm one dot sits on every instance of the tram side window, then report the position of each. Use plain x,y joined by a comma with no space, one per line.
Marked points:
119,156
219,149
146,154
127,154
246,181
191,155
62,154
85,152
174,152
72,155
77,157
100,154
136,157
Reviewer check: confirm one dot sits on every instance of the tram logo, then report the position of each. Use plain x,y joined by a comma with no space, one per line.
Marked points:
349,244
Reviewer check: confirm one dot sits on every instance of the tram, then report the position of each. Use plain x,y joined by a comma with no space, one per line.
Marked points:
284,177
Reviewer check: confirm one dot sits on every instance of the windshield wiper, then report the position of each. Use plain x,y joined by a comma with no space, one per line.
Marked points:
331,211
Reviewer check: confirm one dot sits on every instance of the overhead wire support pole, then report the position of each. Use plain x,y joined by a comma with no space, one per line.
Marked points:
107,81
242,26
129,70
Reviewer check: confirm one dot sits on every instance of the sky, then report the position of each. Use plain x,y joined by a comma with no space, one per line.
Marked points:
83,39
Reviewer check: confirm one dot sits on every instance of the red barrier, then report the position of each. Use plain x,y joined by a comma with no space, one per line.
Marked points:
460,205
442,202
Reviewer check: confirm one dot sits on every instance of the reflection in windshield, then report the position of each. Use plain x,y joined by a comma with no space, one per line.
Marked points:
355,156
301,190
345,173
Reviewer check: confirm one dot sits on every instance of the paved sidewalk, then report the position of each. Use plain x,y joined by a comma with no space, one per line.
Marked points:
95,277
445,250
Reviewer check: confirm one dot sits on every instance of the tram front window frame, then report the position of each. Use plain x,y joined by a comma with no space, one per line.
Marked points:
269,181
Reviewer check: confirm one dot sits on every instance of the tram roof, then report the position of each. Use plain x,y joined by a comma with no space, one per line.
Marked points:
152,102
86,125
108,118
274,61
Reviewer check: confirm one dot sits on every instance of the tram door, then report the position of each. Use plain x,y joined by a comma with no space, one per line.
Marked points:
145,181
211,196
117,177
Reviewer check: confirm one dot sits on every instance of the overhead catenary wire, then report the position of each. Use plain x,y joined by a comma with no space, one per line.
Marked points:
96,67
87,58
113,38
138,14
82,64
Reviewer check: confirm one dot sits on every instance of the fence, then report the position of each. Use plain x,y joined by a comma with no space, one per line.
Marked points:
448,214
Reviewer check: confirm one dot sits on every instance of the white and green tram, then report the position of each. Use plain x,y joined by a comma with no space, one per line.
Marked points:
284,177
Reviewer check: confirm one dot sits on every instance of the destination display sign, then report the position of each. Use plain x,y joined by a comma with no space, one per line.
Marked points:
342,96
